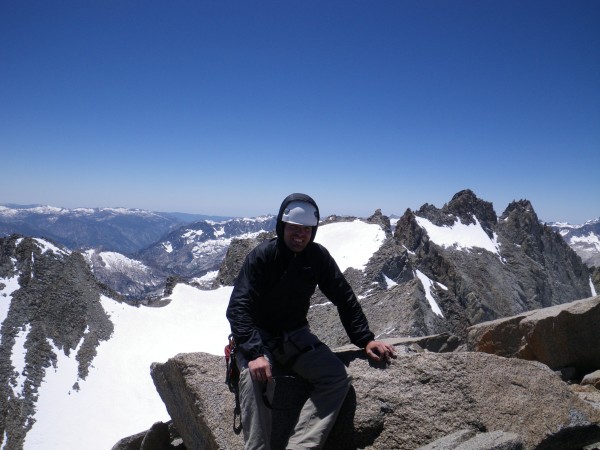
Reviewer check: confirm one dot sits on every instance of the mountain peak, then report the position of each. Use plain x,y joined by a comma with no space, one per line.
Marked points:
466,205
522,206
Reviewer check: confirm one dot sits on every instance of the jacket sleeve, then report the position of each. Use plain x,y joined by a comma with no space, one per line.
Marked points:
337,289
245,292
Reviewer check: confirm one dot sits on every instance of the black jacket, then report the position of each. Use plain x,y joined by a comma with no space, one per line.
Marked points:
274,288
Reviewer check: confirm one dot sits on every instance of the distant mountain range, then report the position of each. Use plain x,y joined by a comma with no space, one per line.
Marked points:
584,239
135,252
187,253
111,229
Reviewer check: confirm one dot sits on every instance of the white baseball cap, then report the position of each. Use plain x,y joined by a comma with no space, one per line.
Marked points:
300,213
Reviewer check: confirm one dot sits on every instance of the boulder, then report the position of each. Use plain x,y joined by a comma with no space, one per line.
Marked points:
131,442
415,401
471,440
160,436
192,386
588,393
559,336
592,378
157,437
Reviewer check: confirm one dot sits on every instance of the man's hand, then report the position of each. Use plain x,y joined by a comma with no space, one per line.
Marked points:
260,369
380,351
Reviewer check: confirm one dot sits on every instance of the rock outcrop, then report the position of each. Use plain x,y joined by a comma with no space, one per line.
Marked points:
417,400
560,336
234,258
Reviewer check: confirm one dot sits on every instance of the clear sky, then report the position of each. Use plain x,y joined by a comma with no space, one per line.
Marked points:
225,107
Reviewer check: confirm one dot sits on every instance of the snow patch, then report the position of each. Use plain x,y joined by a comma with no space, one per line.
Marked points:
428,285
121,370
191,235
460,236
118,262
351,243
18,359
49,246
207,277
7,287
591,239
389,282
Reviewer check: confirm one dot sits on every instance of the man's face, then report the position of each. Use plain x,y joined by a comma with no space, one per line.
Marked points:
296,237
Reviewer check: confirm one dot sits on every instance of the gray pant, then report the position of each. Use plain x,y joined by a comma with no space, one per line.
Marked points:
320,367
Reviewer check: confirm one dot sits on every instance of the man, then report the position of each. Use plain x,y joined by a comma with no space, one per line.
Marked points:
267,313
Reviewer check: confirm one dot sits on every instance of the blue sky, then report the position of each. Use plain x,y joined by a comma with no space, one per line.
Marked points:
225,107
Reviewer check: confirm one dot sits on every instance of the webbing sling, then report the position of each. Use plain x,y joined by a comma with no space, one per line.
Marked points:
232,379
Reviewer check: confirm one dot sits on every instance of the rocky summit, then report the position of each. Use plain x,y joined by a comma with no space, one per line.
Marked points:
433,396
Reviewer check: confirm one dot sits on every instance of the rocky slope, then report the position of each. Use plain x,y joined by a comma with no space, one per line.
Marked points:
531,268
131,278
194,249
55,309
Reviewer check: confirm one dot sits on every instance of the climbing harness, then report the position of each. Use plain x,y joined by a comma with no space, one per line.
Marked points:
232,379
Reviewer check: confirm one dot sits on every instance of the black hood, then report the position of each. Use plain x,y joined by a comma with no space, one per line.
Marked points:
295,198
